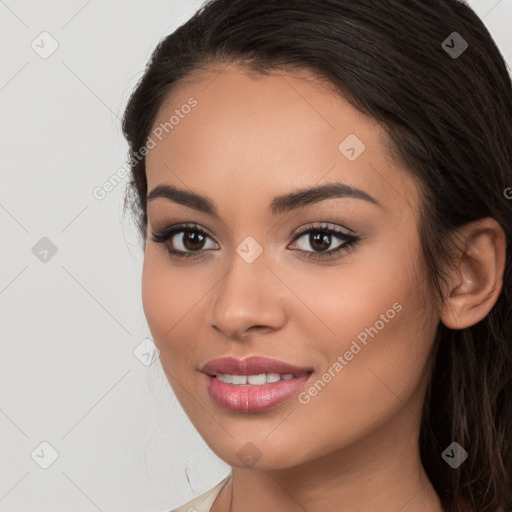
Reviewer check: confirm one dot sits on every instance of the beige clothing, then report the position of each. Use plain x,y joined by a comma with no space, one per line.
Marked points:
203,502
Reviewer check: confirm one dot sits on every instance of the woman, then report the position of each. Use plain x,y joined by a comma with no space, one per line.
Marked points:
323,196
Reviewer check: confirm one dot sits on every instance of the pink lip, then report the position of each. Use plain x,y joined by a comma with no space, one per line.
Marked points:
247,398
251,366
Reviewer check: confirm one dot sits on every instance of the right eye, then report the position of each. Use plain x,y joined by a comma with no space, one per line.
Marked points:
182,240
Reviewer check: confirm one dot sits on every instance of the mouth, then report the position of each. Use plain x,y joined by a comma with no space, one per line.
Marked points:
253,384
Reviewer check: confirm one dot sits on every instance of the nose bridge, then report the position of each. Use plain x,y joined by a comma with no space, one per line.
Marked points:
245,296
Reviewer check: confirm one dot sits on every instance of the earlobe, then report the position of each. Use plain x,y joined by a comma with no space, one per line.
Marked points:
476,282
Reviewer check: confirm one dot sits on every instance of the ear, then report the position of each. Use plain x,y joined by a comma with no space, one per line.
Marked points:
476,282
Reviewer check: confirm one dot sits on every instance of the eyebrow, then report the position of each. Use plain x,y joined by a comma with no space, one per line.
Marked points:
280,204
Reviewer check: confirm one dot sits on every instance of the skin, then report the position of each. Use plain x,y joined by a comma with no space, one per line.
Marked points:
354,446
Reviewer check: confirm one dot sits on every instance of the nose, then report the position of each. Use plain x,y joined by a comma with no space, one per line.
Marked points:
249,299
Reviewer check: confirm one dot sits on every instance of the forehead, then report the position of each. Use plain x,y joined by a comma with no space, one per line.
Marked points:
254,132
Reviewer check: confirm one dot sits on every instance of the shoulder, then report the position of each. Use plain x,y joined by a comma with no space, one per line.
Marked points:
203,502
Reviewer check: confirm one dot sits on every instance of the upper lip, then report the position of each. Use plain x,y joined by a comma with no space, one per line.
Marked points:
253,365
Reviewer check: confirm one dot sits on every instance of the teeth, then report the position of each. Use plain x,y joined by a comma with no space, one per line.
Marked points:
273,377
257,380
228,379
239,379
254,380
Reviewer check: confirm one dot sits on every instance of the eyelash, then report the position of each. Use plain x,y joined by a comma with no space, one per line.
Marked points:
167,233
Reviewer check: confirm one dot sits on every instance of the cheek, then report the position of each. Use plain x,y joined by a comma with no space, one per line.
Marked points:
383,358
379,379
156,297
167,302
373,315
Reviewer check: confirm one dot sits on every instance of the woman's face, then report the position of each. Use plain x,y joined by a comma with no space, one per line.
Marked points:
256,285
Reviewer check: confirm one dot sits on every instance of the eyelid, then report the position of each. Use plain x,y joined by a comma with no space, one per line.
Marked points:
324,225
172,229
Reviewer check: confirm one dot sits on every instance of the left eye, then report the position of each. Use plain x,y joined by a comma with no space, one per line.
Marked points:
321,240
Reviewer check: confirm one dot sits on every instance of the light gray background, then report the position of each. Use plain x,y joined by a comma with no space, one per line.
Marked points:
69,376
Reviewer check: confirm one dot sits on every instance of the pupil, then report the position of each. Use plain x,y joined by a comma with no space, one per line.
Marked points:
196,240
320,238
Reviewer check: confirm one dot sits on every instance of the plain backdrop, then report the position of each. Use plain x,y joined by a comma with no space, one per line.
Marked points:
87,419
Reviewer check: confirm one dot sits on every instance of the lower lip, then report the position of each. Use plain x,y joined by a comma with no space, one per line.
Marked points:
247,398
